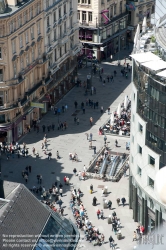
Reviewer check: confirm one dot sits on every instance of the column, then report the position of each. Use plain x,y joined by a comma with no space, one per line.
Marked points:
142,215
130,192
135,204
145,222
156,219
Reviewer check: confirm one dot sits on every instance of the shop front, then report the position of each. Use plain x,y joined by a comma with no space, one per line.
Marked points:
151,220
18,128
6,133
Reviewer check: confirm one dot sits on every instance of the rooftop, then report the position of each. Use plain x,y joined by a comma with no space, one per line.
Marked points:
145,57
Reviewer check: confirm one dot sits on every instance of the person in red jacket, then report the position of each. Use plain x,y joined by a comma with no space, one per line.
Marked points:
64,180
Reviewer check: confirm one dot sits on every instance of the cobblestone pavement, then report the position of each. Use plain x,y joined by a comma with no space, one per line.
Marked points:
74,140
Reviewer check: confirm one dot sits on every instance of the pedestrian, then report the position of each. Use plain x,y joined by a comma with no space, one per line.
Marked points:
102,214
75,119
108,111
90,144
90,136
62,210
60,203
26,152
98,214
33,151
26,178
91,121
109,204
108,78
91,188
111,240
49,155
118,201
102,238
23,173
94,148
101,78
105,139
75,171
40,179
103,82
123,200
101,109
78,121
138,231
83,110
60,191
116,143
57,155
75,104
64,179
67,180
134,236
44,128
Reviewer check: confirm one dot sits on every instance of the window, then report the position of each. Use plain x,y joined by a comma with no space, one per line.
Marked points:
64,9
60,51
65,48
19,21
32,33
0,53
48,21
133,118
1,98
27,59
38,28
22,62
120,7
2,117
25,17
151,204
60,31
90,16
14,46
139,150
150,182
49,40
21,43
84,16
26,37
38,8
115,9
33,54
139,171
55,57
78,14
59,13
151,160
47,4
64,27
1,75
140,127
54,35
89,1
31,13
14,70
54,16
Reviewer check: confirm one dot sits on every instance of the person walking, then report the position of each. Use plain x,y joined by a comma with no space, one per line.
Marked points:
109,204
40,179
60,191
101,78
105,139
75,171
64,179
94,148
78,121
62,210
111,240
98,214
90,136
108,78
91,121
49,155
57,155
116,143
102,214
26,178
123,200
134,236
101,109
91,189
60,203
118,201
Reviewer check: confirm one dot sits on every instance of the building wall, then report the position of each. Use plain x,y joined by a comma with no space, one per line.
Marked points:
145,162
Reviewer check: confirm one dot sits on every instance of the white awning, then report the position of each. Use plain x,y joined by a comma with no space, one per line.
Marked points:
153,65
162,73
145,57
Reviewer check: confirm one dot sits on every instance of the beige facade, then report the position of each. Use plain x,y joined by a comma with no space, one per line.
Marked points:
137,10
23,64
102,27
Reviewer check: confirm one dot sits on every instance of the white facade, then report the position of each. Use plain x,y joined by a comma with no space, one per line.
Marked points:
61,31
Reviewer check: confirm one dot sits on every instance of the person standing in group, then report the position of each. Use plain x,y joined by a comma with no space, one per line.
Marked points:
123,200
94,148
60,191
134,236
91,121
111,240
98,214
118,201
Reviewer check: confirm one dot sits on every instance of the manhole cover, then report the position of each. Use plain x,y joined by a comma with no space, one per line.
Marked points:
52,172
100,186
5,176
11,172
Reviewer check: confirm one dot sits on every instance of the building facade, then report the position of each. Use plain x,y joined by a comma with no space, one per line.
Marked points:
61,46
23,65
38,47
102,27
148,129
137,10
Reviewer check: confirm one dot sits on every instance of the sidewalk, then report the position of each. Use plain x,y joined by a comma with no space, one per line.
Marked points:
74,140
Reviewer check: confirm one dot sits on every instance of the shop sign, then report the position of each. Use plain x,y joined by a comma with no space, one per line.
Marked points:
37,105
130,27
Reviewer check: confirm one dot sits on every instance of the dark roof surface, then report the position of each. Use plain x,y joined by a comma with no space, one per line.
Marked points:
24,215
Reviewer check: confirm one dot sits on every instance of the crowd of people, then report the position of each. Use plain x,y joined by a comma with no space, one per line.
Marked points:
120,124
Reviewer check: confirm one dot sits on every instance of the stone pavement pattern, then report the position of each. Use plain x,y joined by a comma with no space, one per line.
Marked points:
74,140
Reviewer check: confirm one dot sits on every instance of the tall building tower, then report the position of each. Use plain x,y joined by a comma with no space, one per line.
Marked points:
148,125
